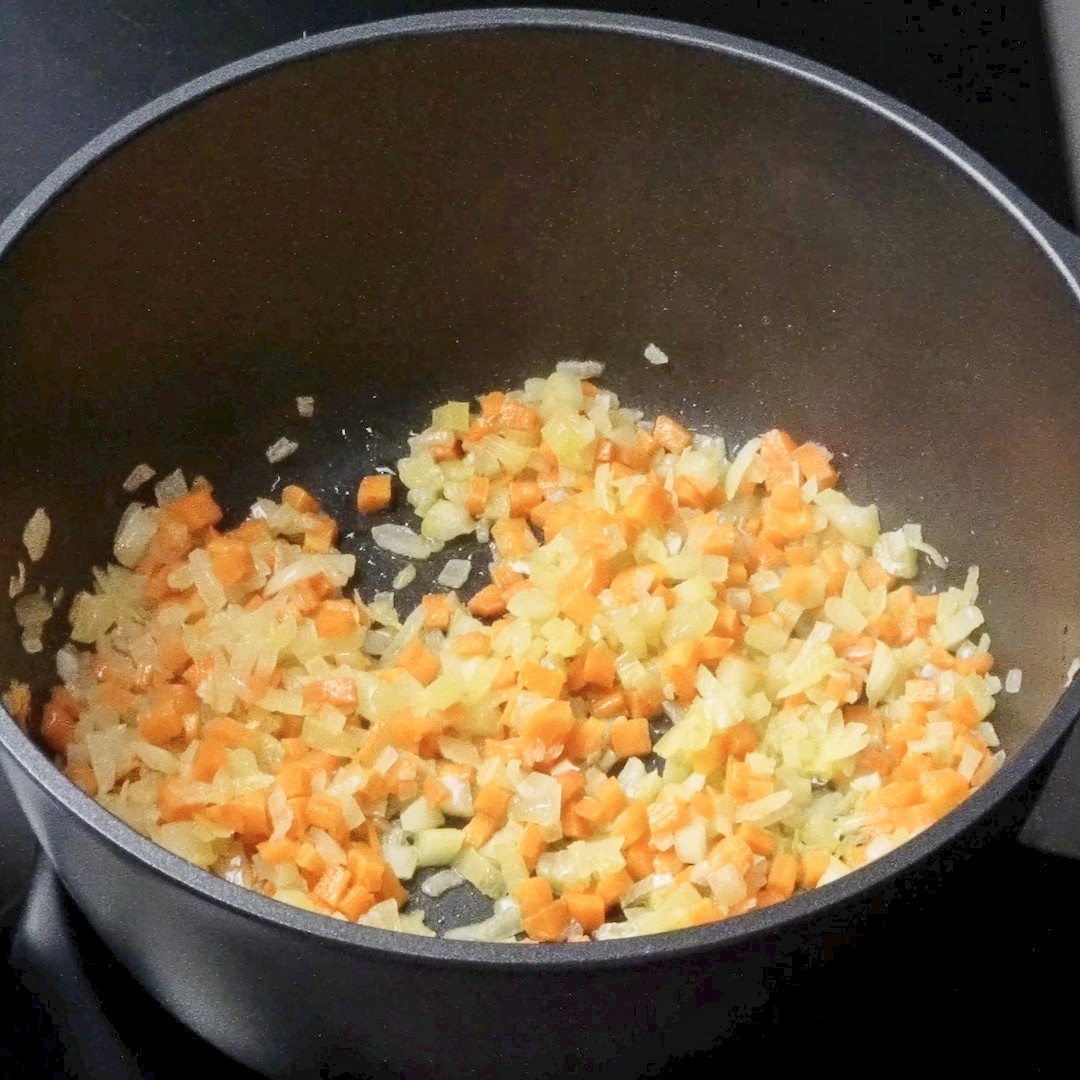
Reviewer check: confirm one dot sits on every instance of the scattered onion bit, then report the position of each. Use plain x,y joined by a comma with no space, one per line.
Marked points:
648,600
137,477
280,450
655,355
305,406
35,535
404,577
17,581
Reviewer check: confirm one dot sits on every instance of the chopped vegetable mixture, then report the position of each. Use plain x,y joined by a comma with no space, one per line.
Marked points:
685,687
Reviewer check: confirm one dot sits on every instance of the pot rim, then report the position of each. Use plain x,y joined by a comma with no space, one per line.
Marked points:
418,951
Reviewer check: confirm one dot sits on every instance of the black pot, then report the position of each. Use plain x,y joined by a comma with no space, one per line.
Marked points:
388,216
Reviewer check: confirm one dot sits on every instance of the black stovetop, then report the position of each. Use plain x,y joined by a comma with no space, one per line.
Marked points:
1002,922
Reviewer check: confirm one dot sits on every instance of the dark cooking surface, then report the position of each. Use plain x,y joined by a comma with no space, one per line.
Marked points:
67,70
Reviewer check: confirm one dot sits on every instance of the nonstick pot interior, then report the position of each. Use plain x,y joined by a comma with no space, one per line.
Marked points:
426,217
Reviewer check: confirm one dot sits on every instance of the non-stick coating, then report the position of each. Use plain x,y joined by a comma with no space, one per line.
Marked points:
426,218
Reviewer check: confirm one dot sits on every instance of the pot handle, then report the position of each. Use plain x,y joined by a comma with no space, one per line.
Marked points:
1053,825
47,960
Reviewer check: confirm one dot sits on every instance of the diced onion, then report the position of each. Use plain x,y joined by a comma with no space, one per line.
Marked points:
137,477
281,449
35,535
401,540
455,573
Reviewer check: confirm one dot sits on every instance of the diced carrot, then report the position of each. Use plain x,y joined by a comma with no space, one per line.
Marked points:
895,795
524,495
478,831
437,611
82,774
649,505
873,575
320,537
611,887
324,812
804,585
679,666
670,434
339,692
630,737
604,452
631,824
493,799
550,724
712,757
230,559
514,415
209,758
488,603
476,495
549,923
472,644
336,618
943,789
366,867
299,499
357,901
58,719
784,873
293,778
916,818
813,865
580,607
572,783
586,909
531,845
533,895
979,663
742,739
689,492
666,815
163,721
540,679
873,760
584,739
331,886
963,711
667,862
721,541
599,667
643,703
814,463
798,554
196,509
276,852
513,538
174,801
435,792
609,705
923,691
419,661
374,493
245,815
757,839
639,858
